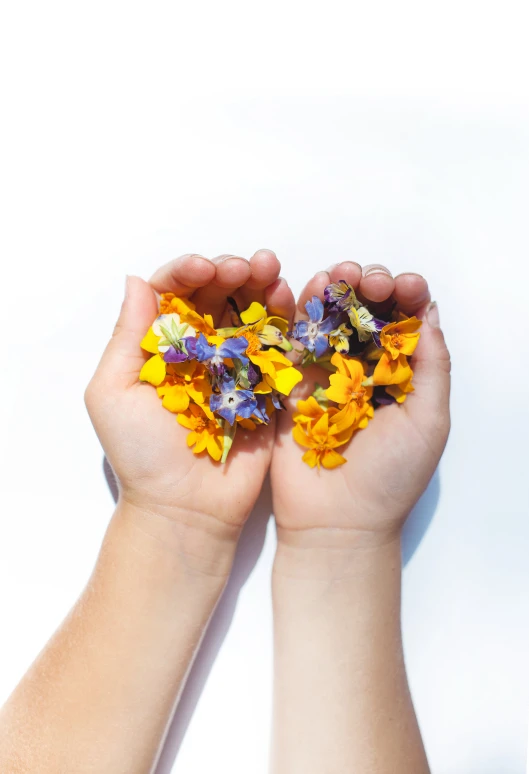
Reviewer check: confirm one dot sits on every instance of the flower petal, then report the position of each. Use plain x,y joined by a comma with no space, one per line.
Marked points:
153,370
331,459
150,342
254,314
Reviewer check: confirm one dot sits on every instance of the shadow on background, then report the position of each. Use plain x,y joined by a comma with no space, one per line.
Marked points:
249,549
420,519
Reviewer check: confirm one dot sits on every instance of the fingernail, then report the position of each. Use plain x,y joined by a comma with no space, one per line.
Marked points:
283,279
322,274
432,315
332,266
375,268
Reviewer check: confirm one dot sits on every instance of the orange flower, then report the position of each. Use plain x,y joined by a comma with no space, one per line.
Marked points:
184,382
321,440
206,434
401,338
169,303
349,391
389,371
310,411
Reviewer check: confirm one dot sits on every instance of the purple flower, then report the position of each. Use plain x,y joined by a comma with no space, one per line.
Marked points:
231,402
214,356
260,410
186,349
382,398
314,333
340,295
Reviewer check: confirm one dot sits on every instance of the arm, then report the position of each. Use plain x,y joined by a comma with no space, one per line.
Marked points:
341,695
103,691
101,695
342,701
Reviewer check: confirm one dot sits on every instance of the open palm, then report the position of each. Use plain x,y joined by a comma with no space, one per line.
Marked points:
392,460
143,442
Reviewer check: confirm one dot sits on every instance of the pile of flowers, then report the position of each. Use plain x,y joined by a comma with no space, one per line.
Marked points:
216,380
368,360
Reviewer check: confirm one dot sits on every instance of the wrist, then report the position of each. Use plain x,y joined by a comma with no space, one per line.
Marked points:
192,544
331,554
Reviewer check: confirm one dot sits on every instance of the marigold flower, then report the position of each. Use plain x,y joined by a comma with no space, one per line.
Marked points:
401,338
388,371
321,440
184,382
206,434
309,412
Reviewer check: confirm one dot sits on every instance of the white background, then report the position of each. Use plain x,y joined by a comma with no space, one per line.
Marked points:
392,132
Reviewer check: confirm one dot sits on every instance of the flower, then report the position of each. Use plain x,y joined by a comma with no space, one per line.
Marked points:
321,440
310,411
389,371
313,334
232,402
341,296
271,331
214,355
206,434
165,340
401,338
339,338
401,391
366,325
169,303
184,382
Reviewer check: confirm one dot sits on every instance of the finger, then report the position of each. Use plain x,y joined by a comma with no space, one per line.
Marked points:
232,273
411,292
431,364
314,287
265,271
349,271
183,275
279,300
123,357
376,284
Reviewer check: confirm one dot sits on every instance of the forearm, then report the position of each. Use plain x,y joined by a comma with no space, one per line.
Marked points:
341,695
101,694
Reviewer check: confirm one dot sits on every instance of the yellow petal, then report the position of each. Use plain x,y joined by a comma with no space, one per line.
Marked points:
301,437
286,378
153,370
263,388
175,398
215,447
311,458
390,371
185,421
150,342
331,459
253,314
202,442
320,431
341,388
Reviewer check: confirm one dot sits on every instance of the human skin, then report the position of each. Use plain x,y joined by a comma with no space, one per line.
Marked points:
341,697
100,696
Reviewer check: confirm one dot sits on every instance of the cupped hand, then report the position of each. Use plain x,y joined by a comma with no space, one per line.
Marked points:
391,461
143,442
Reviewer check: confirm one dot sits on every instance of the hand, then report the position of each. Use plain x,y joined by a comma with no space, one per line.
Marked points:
390,462
143,442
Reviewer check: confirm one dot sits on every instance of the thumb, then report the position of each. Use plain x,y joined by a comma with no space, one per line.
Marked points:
431,364
123,357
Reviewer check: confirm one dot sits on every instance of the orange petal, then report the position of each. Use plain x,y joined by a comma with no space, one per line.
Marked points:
331,459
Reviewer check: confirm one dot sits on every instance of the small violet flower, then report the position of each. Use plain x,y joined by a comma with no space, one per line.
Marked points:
231,402
214,356
313,334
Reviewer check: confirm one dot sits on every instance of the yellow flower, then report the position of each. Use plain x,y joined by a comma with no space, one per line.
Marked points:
169,303
388,371
310,411
271,331
401,338
206,434
184,382
400,391
321,440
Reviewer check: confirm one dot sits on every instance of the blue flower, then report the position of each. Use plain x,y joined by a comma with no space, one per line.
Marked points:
214,356
313,334
231,402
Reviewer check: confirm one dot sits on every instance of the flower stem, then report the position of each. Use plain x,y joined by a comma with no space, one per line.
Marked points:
229,435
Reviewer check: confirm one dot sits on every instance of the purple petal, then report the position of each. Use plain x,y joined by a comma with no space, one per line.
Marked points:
234,348
191,346
204,350
314,309
381,397
173,355
321,345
